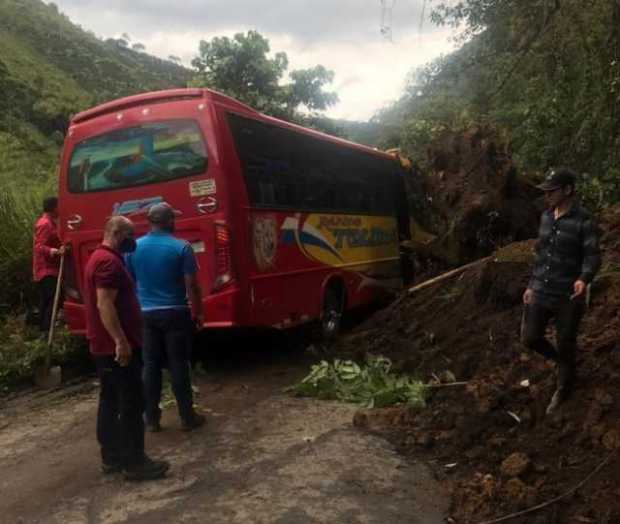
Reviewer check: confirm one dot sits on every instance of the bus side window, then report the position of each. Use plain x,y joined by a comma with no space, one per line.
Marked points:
266,192
285,194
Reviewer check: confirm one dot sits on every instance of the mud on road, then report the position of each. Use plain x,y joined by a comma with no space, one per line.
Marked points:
263,457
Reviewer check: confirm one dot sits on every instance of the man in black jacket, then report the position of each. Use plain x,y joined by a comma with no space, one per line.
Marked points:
567,258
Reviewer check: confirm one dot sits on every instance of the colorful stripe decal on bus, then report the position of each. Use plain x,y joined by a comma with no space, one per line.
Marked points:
135,207
338,240
306,237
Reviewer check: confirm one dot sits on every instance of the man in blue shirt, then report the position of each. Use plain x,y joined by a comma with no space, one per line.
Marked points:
164,269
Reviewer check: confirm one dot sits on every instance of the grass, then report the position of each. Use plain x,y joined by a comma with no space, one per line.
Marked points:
19,208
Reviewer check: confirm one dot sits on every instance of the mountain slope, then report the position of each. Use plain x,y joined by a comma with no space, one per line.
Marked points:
50,69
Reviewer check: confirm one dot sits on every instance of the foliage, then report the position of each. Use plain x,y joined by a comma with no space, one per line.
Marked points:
544,72
23,349
50,69
306,89
99,70
242,68
19,207
373,384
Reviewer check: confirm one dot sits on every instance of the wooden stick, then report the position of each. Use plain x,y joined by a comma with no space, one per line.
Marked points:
446,385
50,336
436,279
556,499
448,274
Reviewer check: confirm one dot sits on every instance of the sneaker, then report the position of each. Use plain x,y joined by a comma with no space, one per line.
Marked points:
195,421
558,397
148,469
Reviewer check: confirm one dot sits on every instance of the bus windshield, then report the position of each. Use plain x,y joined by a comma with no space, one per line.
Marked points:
146,154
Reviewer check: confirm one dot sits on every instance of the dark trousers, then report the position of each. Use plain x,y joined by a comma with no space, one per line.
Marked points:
168,338
567,315
120,427
47,290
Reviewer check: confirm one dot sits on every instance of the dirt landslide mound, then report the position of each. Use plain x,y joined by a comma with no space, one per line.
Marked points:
474,201
487,433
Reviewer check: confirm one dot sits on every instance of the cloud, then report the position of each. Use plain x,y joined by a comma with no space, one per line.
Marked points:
348,82
342,35
311,21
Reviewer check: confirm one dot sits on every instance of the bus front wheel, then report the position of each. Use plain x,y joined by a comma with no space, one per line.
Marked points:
332,314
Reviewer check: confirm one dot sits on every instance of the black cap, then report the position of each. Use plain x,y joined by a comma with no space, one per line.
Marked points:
161,213
558,177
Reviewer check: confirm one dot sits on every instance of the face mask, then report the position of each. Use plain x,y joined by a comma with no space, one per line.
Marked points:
128,245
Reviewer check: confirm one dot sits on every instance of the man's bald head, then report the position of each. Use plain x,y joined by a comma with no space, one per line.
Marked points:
116,229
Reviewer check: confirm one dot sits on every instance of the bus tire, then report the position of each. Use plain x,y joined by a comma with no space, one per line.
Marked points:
331,317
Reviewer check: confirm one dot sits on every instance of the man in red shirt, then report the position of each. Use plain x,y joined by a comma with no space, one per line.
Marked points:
46,253
114,331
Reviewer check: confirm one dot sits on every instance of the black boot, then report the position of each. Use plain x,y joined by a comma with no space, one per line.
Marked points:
146,469
193,421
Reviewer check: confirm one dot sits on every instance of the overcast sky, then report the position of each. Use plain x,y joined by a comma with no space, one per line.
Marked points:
342,35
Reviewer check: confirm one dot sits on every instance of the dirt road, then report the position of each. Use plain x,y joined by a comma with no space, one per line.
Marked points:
264,457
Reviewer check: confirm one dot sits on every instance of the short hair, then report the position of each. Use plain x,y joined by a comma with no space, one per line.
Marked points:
116,224
161,214
50,204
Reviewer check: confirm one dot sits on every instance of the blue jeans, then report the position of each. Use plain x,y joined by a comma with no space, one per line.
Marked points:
168,338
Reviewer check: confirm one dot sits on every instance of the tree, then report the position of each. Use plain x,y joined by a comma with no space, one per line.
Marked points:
545,72
118,42
307,88
174,58
138,47
240,67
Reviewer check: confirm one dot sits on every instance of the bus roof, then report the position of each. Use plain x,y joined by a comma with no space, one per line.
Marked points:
171,95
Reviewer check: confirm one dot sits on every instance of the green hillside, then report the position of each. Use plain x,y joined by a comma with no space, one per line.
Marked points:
50,69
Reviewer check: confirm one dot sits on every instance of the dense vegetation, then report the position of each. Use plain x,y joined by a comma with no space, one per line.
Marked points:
545,73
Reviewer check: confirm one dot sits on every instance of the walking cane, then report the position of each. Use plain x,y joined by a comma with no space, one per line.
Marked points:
47,376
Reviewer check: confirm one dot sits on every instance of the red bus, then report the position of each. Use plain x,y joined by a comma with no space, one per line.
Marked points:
288,224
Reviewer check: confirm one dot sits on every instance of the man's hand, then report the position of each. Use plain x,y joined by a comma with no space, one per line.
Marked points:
54,251
579,288
199,320
195,298
528,296
123,352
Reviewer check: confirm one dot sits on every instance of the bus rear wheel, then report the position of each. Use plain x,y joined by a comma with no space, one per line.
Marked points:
332,315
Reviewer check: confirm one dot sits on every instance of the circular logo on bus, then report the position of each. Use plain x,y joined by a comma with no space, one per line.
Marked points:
264,241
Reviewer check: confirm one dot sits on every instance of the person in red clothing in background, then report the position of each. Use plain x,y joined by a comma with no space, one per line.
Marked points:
114,332
46,253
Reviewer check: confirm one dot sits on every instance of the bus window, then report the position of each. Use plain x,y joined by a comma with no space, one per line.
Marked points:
267,194
134,156
289,170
